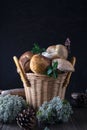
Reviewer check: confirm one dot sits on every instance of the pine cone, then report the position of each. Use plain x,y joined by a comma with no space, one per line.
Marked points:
26,119
79,99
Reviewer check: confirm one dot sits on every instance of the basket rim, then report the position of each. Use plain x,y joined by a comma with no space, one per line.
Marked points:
45,76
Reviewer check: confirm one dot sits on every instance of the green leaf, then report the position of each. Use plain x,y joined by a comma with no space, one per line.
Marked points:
36,49
52,70
55,74
55,64
49,70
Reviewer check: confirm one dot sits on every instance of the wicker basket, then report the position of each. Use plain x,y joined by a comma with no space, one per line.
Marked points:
39,88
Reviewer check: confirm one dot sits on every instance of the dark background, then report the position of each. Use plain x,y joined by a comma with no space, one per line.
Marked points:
24,22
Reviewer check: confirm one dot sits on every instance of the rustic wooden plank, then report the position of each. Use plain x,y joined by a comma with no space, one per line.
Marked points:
10,127
1,126
61,126
64,126
77,122
80,118
14,127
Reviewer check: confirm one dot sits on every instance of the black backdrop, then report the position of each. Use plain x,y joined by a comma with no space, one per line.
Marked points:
24,22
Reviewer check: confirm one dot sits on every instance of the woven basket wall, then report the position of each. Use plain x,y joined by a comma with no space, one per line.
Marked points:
40,88
44,88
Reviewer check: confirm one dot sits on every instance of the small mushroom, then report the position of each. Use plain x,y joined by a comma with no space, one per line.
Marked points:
39,63
58,51
64,65
24,60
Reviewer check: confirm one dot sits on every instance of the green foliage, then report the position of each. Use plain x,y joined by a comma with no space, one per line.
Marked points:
36,49
10,106
52,70
66,111
54,111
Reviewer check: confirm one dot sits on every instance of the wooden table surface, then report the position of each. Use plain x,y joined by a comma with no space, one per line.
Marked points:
77,122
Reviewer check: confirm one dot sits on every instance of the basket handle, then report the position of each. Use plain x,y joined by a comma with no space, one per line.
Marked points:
21,72
66,82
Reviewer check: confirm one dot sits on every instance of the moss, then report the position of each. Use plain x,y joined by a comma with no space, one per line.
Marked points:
54,111
10,106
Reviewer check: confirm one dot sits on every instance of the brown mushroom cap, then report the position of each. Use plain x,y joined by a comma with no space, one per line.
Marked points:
39,63
64,65
24,60
59,51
